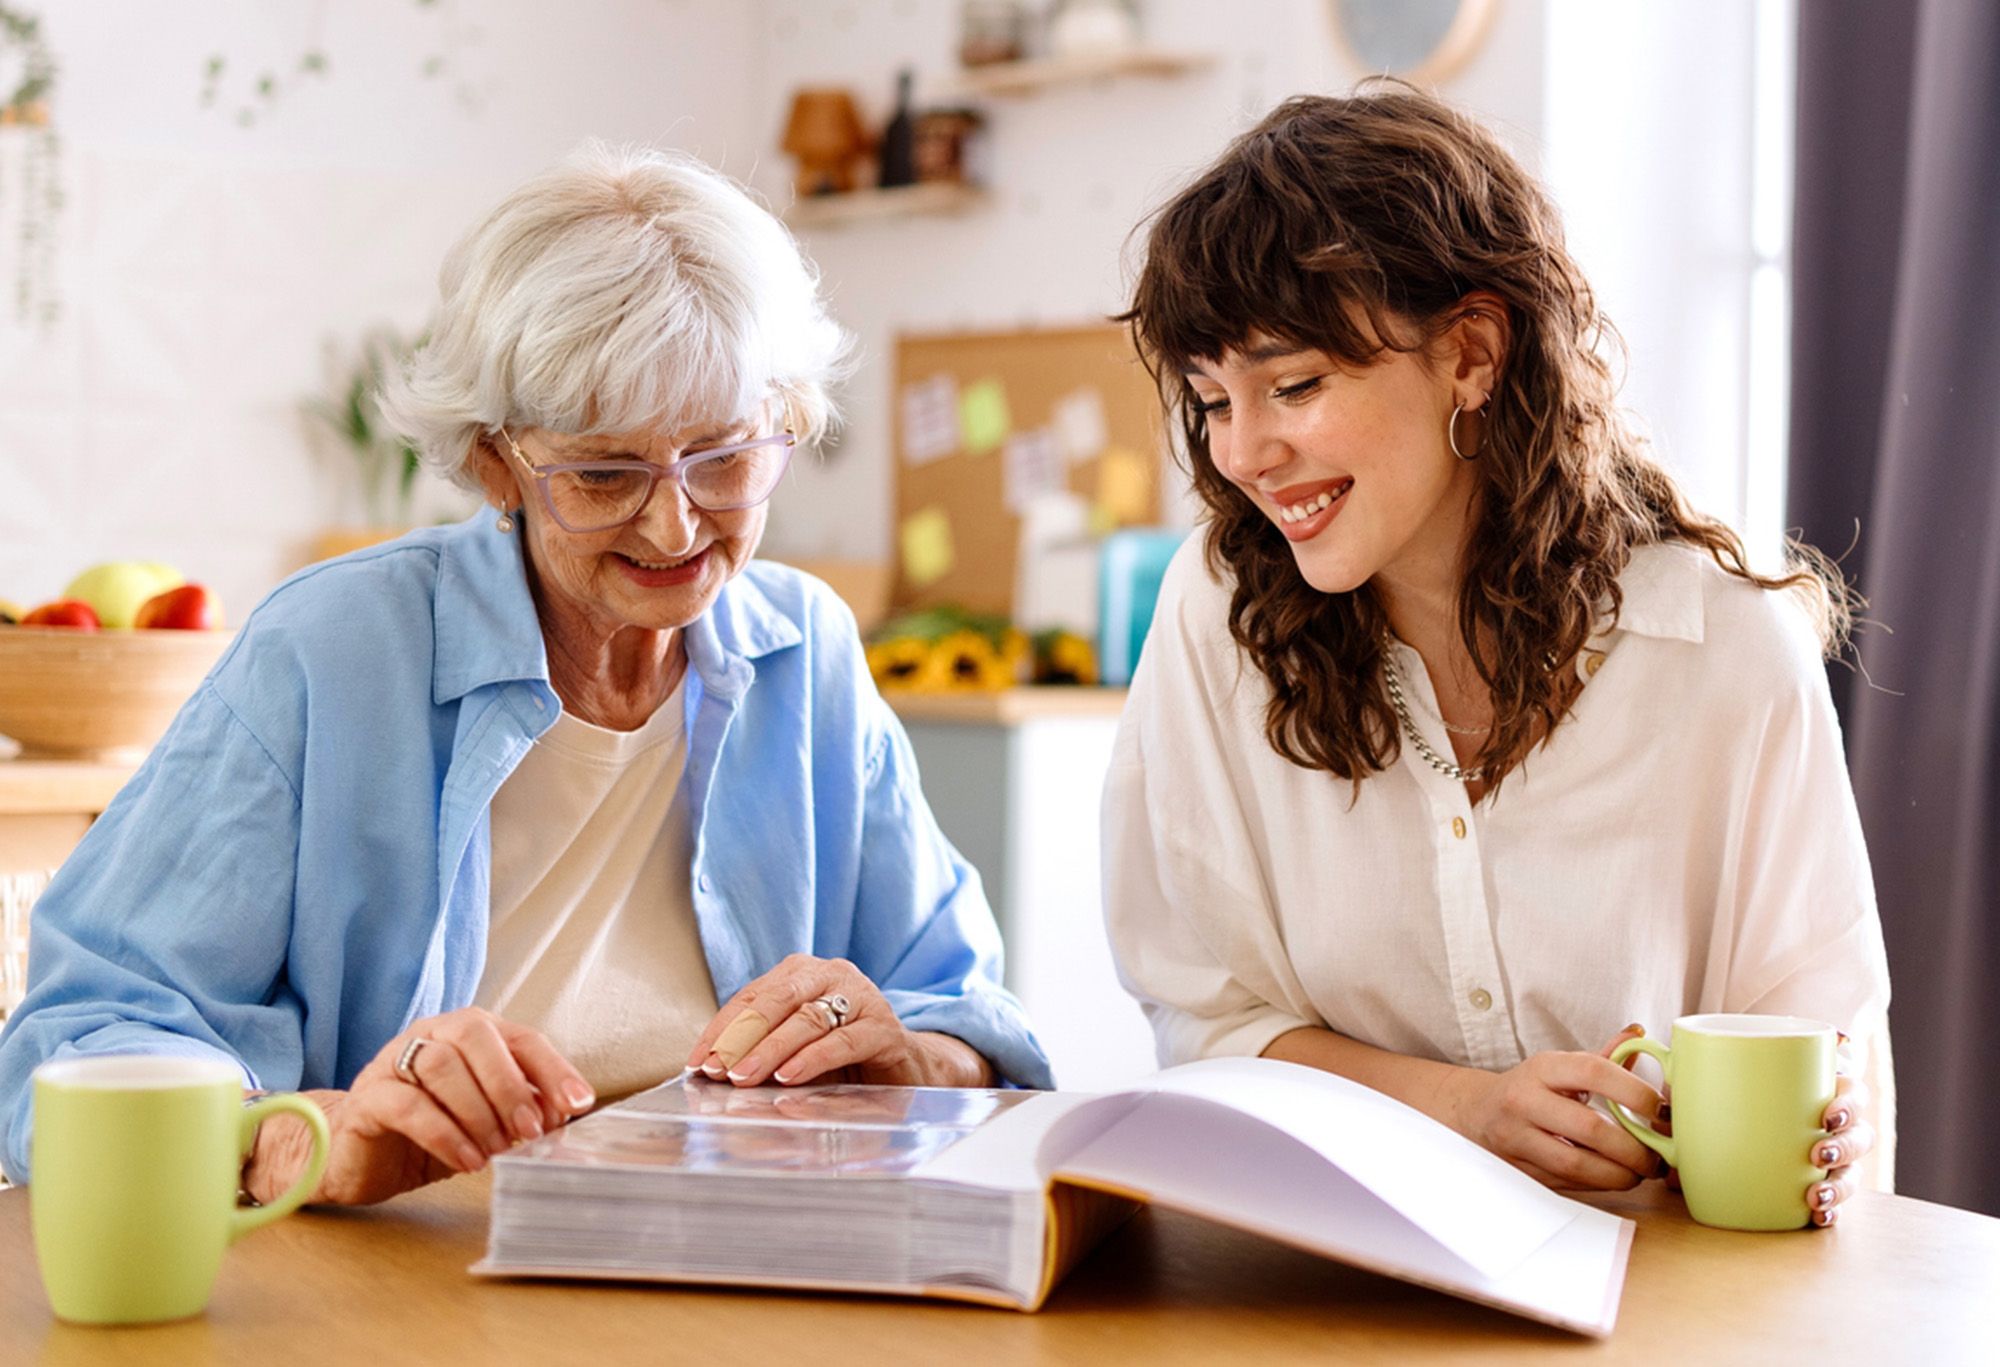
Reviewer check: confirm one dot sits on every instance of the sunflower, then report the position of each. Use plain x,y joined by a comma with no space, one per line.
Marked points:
966,660
899,663
1063,657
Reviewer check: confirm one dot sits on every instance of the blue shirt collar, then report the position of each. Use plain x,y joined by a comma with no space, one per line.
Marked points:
488,633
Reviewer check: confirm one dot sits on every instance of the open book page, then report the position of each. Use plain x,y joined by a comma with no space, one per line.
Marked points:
1328,1165
1466,1197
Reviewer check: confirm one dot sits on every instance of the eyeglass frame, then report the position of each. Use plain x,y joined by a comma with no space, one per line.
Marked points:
675,470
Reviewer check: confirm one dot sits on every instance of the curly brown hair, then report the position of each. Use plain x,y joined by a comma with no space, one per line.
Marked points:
1356,226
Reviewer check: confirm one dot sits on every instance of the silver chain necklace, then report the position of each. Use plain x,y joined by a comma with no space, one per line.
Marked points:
1458,773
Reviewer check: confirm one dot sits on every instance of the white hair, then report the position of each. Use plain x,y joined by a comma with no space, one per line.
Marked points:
626,289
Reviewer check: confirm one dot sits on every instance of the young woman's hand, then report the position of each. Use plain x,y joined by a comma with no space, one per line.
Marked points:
1537,1116
1849,1138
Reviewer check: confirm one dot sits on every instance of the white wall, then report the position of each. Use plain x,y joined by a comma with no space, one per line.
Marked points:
205,264
1072,171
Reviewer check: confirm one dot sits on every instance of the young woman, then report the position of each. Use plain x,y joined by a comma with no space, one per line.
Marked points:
1460,740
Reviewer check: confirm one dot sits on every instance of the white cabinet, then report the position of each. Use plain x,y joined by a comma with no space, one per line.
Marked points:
1014,780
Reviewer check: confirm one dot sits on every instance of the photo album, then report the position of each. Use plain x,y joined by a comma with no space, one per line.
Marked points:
992,1195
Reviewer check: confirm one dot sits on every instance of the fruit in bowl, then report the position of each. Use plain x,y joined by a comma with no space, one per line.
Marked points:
117,589
191,607
67,612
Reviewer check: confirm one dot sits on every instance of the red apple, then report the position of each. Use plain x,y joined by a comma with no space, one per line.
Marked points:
187,608
66,613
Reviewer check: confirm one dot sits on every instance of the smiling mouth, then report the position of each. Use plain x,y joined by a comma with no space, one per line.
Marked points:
1305,508
663,564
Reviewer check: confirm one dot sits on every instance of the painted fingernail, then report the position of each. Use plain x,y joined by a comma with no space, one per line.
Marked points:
782,1075
1829,1155
526,1123
738,1074
1634,1029
578,1094
1823,1195
712,1068
1827,1217
1837,1120
470,1159
1666,1112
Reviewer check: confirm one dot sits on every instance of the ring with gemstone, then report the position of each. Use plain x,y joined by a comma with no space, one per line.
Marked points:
834,1009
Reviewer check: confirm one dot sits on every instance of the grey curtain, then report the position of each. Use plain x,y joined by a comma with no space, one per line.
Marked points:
1896,427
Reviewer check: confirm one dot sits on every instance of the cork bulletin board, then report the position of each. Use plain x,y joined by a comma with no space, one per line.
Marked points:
988,425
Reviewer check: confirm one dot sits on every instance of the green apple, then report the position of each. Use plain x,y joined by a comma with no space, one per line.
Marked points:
117,588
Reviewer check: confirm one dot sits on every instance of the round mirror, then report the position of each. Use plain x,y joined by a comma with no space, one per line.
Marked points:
1423,41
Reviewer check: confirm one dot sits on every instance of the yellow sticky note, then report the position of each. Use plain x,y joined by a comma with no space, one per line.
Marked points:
927,548
1124,487
982,416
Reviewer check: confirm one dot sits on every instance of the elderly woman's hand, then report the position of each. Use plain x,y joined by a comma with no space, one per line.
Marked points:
475,1087
776,1029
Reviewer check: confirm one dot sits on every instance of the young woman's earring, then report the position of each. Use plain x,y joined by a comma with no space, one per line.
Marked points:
1451,433
505,522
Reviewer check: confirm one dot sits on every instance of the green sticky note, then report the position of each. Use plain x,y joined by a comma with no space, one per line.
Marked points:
927,548
982,416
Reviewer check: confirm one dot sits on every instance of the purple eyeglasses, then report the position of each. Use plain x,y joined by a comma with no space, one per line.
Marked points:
599,495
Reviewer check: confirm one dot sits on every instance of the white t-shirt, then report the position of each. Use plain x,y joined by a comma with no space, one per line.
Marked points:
593,939
1687,842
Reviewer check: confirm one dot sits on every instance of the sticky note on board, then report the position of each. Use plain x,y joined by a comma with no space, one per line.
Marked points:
1080,428
982,416
930,419
927,546
1124,487
1033,465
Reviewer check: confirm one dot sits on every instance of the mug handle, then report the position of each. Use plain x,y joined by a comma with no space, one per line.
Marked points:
248,1218
1662,1144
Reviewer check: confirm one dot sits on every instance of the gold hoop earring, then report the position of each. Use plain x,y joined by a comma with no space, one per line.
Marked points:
1451,433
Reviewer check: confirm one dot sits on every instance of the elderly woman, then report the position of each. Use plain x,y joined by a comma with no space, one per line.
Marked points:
472,829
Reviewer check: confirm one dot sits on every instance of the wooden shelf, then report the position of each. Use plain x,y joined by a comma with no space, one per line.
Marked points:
1033,77
1007,706
904,200
37,787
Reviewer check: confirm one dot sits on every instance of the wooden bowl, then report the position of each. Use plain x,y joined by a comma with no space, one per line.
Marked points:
98,695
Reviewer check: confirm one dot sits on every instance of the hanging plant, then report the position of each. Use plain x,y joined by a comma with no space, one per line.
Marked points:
253,97
27,83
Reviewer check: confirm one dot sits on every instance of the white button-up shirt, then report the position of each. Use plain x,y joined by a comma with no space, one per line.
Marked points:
1687,842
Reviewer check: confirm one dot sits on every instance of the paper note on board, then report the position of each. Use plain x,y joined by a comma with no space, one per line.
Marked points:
1124,490
930,419
982,416
1033,466
1079,425
927,548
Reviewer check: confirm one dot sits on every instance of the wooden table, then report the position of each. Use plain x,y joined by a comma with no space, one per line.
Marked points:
1899,1281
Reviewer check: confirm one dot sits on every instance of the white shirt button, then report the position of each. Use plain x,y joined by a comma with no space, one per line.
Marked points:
1480,998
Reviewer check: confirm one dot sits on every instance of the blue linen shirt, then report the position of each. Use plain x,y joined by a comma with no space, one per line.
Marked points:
299,870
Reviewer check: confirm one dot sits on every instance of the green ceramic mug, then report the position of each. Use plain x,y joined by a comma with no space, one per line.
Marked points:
1749,1094
136,1165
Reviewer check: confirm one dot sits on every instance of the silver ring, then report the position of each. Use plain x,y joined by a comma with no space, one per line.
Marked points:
834,1009
406,1062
